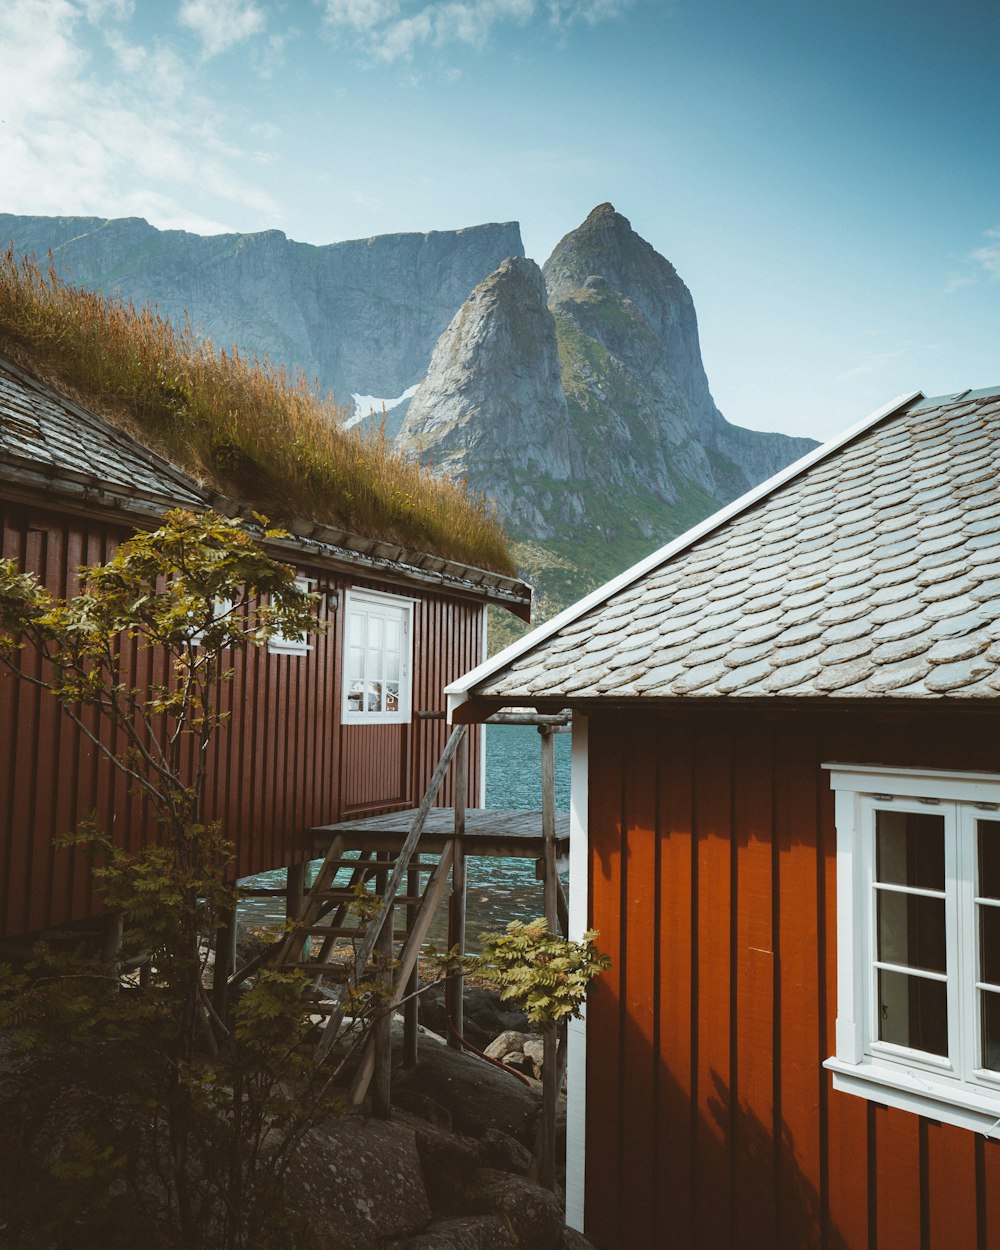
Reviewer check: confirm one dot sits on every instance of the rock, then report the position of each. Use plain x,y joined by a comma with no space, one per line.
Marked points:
362,1182
484,1232
478,1095
534,1052
418,1104
508,1041
485,1015
450,1165
516,1059
491,408
534,1213
500,1150
572,1240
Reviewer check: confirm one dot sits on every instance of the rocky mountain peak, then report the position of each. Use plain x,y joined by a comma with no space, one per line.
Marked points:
492,409
590,421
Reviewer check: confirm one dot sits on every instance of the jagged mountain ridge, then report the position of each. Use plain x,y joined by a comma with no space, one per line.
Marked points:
574,396
362,316
620,450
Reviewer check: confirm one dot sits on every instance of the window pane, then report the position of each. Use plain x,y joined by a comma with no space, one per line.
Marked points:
356,664
374,702
989,944
913,1011
375,631
989,858
991,1030
392,633
356,632
910,849
911,930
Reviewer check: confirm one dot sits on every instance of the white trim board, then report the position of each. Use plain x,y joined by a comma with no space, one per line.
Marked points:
579,922
458,691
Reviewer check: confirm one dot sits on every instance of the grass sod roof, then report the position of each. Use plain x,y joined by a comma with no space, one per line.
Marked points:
242,425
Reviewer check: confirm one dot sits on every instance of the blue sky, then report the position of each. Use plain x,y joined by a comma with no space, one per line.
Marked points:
826,178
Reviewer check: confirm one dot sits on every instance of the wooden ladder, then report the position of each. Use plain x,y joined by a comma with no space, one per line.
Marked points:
326,917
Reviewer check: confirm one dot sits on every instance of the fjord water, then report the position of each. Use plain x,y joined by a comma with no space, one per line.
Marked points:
499,890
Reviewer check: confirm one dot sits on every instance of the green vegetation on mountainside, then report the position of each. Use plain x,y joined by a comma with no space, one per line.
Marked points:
628,521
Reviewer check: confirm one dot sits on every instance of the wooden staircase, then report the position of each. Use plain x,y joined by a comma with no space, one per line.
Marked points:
380,948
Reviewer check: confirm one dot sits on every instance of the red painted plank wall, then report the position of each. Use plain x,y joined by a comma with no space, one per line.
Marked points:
284,762
711,1123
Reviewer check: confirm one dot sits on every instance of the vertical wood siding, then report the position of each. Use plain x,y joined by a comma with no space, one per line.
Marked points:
711,1122
283,763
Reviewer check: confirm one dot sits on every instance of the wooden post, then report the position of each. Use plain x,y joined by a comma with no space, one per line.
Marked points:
549,828
546,1152
295,898
295,891
411,1008
456,907
382,1081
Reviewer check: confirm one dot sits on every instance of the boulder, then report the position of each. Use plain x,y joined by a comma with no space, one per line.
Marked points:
483,1232
534,1052
572,1240
500,1150
362,1182
478,1095
419,1104
534,1214
510,1040
449,1164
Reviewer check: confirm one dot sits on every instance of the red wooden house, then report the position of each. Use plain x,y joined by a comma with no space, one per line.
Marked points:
786,809
323,729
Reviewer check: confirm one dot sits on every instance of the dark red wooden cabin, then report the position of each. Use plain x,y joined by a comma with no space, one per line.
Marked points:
799,1042
71,488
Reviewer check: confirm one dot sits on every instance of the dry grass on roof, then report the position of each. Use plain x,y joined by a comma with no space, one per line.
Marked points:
252,430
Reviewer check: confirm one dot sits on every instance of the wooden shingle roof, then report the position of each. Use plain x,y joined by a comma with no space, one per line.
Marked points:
870,569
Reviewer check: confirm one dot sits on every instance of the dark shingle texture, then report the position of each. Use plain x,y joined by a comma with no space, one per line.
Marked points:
875,573
50,436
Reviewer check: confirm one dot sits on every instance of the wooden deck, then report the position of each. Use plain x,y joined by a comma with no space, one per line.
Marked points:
488,831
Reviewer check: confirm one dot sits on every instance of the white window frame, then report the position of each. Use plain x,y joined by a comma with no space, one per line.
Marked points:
278,644
401,607
955,1089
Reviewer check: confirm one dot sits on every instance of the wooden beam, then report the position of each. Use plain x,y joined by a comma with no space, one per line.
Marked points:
456,911
551,877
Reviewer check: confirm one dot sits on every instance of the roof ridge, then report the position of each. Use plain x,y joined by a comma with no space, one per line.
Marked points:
458,691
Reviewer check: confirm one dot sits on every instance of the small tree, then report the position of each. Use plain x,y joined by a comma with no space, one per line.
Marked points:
547,975
209,1110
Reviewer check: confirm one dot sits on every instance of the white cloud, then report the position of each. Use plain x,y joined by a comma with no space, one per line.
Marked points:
360,14
141,141
393,30
220,24
988,256
873,362
565,12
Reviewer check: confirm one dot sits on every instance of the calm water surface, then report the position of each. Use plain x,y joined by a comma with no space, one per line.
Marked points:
499,890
